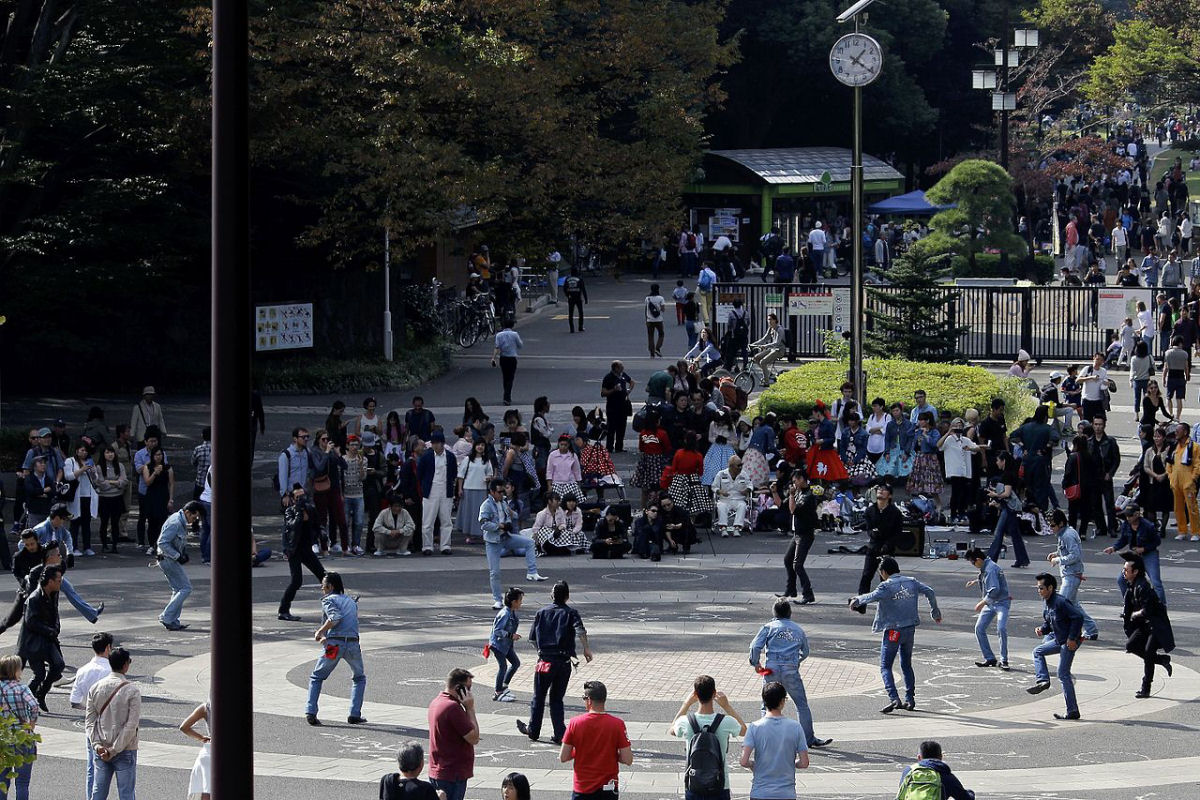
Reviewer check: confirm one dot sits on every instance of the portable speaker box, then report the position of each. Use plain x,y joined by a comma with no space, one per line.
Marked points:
912,539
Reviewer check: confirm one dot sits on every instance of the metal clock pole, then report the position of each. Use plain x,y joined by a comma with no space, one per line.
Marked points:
857,377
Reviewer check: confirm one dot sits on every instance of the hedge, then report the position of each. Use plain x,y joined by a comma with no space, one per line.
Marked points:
411,367
987,265
951,388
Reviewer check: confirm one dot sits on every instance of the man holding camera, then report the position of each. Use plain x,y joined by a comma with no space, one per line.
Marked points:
499,539
171,556
299,527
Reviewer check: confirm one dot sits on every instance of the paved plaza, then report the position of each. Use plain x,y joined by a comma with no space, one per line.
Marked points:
653,626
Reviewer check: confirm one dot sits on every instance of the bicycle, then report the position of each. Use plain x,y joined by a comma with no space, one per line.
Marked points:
751,375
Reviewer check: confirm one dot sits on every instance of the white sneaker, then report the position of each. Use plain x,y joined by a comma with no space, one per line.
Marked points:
724,534
1196,538
78,553
507,697
337,548
737,534
533,576
379,553
496,606
403,553
89,552
356,550
149,551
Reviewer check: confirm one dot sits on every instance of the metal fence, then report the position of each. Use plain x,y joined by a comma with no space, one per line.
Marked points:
1052,323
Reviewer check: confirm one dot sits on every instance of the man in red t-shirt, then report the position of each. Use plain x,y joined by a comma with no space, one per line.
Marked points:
453,733
598,744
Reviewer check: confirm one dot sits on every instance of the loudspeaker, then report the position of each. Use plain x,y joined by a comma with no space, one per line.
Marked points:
911,541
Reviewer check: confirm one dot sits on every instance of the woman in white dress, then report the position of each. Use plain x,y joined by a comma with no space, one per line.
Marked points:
200,784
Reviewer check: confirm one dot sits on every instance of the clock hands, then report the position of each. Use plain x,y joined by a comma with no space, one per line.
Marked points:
855,59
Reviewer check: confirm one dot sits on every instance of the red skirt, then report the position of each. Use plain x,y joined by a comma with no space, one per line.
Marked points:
825,465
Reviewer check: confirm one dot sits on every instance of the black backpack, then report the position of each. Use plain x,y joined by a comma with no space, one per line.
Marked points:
705,757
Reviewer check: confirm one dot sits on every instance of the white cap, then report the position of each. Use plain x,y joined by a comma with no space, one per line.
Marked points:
818,223
1022,355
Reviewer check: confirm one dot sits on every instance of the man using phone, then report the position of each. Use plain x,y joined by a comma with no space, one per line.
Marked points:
453,734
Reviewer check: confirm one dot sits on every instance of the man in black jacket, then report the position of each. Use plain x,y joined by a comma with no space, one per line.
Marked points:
1146,623
38,645
553,633
1107,457
802,503
884,526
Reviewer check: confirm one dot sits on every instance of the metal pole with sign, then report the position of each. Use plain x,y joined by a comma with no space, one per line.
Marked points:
856,60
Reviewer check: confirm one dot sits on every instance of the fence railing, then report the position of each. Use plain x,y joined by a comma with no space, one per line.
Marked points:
1051,323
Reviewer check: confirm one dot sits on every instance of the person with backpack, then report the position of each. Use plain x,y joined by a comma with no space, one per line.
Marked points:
706,732
704,287
931,779
689,249
774,749
655,307
787,646
577,297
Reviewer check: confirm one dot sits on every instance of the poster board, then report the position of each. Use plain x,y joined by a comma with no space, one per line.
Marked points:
810,304
286,326
1114,305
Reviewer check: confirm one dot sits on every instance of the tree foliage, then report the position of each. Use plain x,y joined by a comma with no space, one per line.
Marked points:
910,320
547,118
983,195
1146,61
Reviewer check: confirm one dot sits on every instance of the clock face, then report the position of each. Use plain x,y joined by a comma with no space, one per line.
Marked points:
856,59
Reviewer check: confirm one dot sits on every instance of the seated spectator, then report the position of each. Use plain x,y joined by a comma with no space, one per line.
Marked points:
921,772
611,539
648,534
407,784
393,528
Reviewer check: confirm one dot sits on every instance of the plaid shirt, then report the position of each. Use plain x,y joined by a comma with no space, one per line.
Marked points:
201,458
16,699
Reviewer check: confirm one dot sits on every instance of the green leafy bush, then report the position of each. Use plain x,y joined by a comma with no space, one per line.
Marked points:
951,388
17,747
987,265
413,366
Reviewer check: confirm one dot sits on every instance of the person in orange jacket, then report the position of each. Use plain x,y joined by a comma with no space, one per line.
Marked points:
1183,467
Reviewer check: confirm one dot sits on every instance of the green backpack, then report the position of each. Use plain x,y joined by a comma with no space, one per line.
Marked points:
921,783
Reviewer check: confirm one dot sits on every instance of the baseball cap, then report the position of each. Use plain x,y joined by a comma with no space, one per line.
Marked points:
43,432
148,390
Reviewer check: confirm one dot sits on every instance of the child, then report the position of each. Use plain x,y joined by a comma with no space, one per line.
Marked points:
680,297
502,643
1113,352
1072,391
1126,336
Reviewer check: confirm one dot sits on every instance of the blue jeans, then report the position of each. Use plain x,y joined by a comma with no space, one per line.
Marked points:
887,657
513,544
1065,657
789,676
124,767
91,770
504,676
1000,614
82,606
1008,524
206,532
18,780
1152,575
355,514
1070,590
352,655
180,586
1139,387
455,790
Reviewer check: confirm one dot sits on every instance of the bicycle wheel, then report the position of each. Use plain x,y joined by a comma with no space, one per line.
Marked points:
468,334
744,380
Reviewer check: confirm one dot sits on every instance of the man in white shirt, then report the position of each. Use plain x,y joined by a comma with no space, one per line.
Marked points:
114,711
88,676
731,490
1120,243
816,247
1093,381
1185,235
553,260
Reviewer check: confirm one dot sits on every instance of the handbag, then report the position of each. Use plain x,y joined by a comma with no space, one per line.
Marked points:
322,483
1073,492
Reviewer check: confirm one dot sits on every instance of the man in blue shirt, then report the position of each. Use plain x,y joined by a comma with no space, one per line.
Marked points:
774,749
920,407
339,634
994,604
787,646
1062,626
508,345
172,555
897,618
1068,557
500,539
553,634
1140,535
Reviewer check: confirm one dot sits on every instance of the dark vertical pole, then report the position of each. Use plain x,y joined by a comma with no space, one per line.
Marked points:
856,269
232,704
1003,91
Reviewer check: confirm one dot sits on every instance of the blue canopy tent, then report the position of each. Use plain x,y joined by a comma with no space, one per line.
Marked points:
912,204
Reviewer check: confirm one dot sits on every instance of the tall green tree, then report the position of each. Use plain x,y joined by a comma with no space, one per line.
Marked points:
982,193
910,320
1147,61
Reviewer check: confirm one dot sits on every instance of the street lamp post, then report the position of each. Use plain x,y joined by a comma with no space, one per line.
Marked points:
856,60
387,289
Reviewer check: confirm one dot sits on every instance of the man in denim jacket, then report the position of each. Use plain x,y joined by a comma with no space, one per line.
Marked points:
787,646
499,539
1062,626
1068,557
897,618
994,604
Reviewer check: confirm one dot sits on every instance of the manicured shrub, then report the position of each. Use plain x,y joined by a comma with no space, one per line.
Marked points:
412,366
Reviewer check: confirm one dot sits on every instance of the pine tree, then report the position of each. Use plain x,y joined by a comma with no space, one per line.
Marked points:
909,320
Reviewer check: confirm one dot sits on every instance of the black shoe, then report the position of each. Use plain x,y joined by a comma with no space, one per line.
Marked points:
803,601
1004,666
1166,664
41,701
286,617
909,704
1039,687
891,706
656,557
556,741
426,552
524,729
99,611
311,719
991,662
820,742
356,720
1142,693
1093,638
1068,715
178,626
